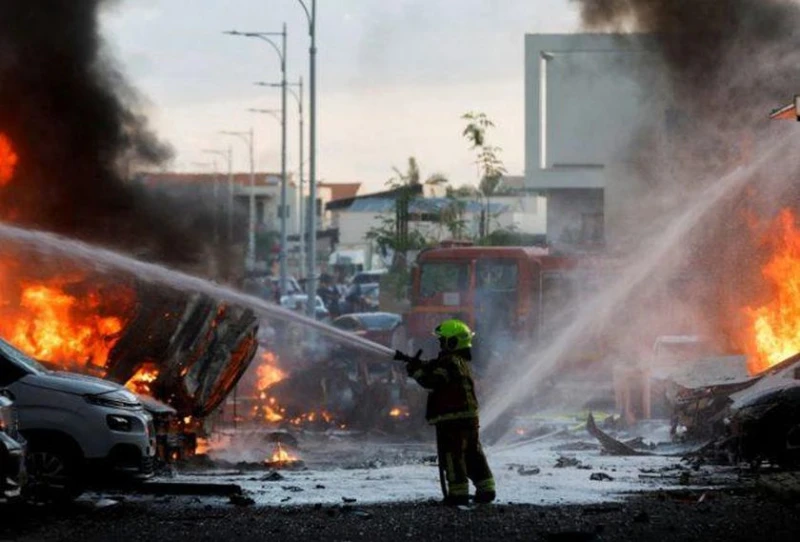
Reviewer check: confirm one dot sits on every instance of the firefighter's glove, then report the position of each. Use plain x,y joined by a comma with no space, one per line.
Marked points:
400,356
414,364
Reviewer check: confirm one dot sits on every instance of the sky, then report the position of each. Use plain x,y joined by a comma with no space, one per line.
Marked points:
393,79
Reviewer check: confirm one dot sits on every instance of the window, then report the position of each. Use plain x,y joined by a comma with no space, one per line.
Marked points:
496,275
319,207
14,364
440,278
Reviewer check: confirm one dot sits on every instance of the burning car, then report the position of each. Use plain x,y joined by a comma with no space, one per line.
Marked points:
186,350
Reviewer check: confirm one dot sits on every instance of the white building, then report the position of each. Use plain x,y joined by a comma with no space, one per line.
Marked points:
583,105
512,209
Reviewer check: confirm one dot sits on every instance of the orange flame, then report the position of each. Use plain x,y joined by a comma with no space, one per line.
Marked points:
140,382
50,324
268,371
774,328
399,412
281,456
8,160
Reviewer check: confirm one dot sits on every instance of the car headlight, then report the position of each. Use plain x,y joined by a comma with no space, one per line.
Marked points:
123,424
116,399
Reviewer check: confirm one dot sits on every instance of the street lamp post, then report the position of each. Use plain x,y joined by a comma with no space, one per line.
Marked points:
301,162
250,259
281,51
311,15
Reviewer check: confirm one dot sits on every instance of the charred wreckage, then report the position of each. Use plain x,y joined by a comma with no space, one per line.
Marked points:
724,415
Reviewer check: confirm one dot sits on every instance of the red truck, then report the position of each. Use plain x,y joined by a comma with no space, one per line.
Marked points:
517,293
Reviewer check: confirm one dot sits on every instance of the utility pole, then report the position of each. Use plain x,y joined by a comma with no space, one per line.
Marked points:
284,207
311,16
298,96
248,138
282,211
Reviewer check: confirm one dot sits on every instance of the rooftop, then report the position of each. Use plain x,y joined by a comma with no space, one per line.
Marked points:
262,178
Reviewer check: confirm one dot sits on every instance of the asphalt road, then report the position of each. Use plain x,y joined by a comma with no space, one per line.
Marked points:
729,516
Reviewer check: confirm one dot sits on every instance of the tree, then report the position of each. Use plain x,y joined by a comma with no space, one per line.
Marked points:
487,159
393,233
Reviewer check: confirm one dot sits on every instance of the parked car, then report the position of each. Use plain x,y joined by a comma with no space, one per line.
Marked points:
75,426
378,327
368,277
267,287
12,451
298,303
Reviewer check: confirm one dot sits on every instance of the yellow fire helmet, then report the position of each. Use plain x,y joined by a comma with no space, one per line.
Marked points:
456,334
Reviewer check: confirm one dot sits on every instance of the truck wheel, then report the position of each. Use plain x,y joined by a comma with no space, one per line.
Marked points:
53,472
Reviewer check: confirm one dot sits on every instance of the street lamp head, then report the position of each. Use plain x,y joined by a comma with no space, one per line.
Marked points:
232,32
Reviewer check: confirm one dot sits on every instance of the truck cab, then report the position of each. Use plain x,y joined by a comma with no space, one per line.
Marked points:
502,293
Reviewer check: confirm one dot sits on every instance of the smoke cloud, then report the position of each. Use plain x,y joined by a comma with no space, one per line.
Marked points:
77,128
721,66
705,166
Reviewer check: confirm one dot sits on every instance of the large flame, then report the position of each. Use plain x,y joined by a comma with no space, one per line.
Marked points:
66,320
774,328
8,160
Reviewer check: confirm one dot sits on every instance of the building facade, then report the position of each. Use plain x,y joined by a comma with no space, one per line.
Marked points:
583,104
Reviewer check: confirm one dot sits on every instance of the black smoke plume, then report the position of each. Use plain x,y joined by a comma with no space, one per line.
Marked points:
76,126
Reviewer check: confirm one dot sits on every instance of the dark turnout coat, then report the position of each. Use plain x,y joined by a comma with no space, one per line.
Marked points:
452,388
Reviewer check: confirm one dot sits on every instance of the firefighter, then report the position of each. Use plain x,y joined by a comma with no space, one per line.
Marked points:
453,409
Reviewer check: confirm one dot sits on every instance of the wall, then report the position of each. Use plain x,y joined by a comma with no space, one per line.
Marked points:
583,104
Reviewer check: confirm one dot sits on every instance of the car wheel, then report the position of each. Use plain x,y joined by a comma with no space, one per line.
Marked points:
53,473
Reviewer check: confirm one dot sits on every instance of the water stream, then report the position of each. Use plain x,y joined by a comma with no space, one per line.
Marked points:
521,382
102,259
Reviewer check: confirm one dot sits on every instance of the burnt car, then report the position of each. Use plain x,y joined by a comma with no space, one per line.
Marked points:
12,451
764,420
377,327
746,418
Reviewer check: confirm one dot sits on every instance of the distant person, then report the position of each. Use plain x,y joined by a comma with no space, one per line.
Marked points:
453,409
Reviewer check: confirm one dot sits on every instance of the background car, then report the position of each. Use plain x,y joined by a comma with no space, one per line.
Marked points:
298,303
378,327
12,451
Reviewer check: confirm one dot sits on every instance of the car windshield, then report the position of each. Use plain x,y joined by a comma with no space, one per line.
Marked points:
20,359
380,321
443,277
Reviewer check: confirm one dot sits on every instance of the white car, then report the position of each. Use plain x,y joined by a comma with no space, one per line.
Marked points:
75,426
298,303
